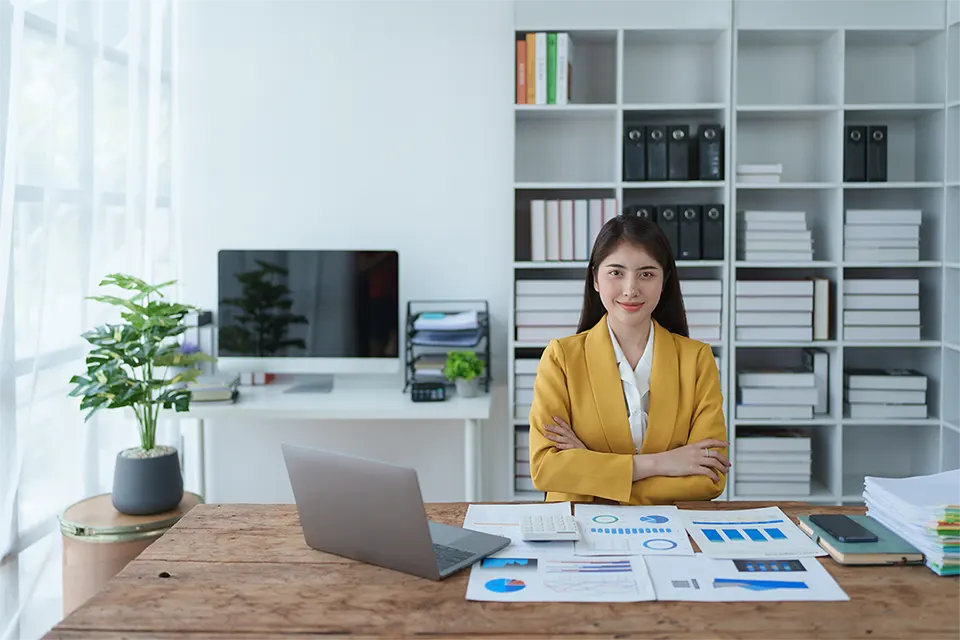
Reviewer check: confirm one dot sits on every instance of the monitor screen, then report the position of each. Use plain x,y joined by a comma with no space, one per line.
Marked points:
308,304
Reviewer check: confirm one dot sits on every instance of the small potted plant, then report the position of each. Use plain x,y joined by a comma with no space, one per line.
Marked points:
138,363
463,368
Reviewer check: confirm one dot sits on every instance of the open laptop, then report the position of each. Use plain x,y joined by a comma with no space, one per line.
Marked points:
373,512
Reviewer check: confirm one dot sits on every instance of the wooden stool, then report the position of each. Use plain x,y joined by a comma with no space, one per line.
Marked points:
99,541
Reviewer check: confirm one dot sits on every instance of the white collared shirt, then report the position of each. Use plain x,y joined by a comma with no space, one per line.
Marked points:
636,386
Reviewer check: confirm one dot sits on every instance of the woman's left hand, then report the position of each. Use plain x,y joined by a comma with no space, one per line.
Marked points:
562,435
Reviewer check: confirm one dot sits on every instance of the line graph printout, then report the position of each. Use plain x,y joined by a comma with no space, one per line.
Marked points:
748,533
612,530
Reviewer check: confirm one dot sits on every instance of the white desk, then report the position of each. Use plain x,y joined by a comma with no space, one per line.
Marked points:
346,402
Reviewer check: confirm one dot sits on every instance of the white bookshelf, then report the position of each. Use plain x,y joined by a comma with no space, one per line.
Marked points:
784,80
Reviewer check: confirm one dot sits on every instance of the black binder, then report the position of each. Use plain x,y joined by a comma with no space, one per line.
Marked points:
855,154
667,220
689,232
876,153
678,152
710,152
656,152
711,241
647,211
634,159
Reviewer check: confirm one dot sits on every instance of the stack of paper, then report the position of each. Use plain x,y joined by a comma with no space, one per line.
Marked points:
924,511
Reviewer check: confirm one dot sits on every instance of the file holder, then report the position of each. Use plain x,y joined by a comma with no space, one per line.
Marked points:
678,152
656,153
711,240
710,152
668,222
689,233
855,154
634,156
876,153
414,353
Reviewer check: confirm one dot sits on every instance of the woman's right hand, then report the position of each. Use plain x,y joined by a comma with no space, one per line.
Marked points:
699,459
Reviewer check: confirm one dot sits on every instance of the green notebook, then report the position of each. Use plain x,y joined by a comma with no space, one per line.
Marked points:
888,549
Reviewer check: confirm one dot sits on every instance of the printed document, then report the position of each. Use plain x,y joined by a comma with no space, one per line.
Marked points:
703,579
504,520
613,530
749,533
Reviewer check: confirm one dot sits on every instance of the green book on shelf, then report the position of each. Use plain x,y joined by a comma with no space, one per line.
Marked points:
551,68
888,549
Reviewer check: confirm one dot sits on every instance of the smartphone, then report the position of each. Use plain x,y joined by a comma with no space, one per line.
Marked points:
843,528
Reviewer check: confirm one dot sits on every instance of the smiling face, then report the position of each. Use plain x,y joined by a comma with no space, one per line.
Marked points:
629,282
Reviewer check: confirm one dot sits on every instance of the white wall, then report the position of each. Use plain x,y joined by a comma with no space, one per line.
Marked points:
352,124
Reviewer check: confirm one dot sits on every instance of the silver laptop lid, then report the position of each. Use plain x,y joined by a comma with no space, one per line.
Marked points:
361,509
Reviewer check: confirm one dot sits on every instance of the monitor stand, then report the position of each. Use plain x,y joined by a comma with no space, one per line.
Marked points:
312,384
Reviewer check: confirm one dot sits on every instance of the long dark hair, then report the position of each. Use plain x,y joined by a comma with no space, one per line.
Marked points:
640,232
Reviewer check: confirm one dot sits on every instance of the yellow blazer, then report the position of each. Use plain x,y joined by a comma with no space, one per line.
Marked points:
578,381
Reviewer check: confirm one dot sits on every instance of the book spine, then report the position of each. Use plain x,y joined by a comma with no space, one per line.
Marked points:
551,68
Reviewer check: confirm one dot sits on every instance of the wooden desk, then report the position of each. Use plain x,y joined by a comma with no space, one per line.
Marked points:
243,571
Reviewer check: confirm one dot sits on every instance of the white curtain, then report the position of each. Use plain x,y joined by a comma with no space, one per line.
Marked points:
87,96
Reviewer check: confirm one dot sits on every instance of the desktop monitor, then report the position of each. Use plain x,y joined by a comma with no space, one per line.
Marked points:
308,311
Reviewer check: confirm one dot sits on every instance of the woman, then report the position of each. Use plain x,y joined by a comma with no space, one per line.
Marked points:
629,409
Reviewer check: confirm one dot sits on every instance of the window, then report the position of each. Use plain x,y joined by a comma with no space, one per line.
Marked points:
80,209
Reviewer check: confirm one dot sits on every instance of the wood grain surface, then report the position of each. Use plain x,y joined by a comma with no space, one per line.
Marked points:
244,571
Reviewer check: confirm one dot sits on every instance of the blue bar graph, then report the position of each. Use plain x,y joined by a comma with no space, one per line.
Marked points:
775,534
732,534
755,535
712,535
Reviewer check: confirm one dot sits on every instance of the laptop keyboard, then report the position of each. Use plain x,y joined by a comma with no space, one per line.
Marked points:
448,556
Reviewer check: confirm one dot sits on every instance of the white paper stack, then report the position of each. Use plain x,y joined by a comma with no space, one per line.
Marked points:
924,511
757,173
775,236
881,309
772,463
775,395
774,310
884,395
882,235
547,309
785,394
702,300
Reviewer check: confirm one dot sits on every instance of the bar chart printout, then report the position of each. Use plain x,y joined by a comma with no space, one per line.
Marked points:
748,533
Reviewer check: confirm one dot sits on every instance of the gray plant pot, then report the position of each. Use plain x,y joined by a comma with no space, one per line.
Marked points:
467,388
147,485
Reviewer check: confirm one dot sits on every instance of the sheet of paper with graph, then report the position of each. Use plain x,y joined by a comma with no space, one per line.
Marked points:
748,533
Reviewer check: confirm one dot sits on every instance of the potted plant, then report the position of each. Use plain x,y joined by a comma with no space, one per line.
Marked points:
138,363
463,368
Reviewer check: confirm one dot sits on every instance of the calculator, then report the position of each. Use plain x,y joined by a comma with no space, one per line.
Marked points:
428,392
540,528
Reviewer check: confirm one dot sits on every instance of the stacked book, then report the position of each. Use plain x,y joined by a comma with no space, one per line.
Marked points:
882,235
924,511
544,68
702,300
881,309
547,309
773,462
522,481
891,394
524,375
775,236
782,310
783,394
755,173
215,387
